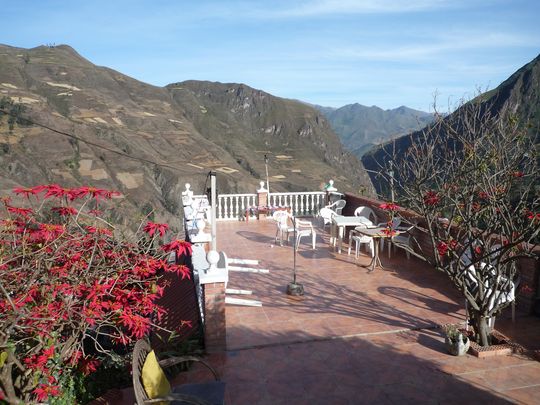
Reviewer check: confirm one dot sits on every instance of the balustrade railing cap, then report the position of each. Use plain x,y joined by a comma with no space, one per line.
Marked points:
330,186
262,189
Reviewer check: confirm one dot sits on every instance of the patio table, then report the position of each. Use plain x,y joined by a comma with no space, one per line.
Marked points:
339,222
376,233
264,210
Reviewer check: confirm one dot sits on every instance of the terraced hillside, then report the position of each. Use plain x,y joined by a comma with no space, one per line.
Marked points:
100,127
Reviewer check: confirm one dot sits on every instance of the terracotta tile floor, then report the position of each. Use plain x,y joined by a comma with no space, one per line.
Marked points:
354,337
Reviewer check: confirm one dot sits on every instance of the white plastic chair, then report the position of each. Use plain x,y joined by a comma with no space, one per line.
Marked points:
282,226
498,296
394,225
403,240
304,228
337,206
359,239
367,213
327,214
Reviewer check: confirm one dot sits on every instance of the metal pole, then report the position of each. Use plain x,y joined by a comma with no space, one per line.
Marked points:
267,182
213,209
294,254
391,174
294,288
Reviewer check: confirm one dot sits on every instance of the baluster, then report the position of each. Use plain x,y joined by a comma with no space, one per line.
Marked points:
218,214
242,206
302,208
228,212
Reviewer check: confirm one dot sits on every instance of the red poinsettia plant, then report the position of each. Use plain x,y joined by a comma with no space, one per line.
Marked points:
72,287
391,208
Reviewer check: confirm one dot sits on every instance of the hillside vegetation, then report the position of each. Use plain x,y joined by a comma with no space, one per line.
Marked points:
115,132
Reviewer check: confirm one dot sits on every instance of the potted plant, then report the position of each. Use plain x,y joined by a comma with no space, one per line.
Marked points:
457,343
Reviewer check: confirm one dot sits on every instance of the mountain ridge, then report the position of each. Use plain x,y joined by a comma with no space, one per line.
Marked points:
360,127
186,131
520,92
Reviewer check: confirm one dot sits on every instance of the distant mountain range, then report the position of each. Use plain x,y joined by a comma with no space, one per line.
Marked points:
520,92
112,131
360,127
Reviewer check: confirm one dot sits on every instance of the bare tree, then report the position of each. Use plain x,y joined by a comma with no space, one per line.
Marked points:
472,178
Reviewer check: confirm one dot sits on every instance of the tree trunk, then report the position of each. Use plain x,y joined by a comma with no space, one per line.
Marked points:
481,329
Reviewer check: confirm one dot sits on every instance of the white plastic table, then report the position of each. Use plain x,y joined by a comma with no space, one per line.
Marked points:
339,222
376,233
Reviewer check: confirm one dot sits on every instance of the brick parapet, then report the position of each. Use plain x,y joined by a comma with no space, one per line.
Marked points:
214,317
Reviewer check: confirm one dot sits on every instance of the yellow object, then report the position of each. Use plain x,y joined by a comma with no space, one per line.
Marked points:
154,381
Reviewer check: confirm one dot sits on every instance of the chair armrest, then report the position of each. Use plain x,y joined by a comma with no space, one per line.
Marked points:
173,396
181,359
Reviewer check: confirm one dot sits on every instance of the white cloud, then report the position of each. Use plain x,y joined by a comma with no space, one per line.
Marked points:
284,9
327,7
437,46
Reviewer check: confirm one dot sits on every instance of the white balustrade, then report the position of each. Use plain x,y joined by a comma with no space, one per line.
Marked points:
232,206
303,203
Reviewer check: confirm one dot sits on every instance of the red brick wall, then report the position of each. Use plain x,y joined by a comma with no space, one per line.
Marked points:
214,315
529,268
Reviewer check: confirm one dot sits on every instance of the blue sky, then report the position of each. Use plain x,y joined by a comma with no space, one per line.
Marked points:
375,52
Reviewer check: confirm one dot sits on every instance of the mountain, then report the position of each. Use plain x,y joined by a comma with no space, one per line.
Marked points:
115,132
360,127
520,92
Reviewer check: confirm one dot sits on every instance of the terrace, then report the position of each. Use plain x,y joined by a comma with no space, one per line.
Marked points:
355,336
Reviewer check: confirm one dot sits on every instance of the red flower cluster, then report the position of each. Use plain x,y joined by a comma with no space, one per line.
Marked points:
180,247
66,276
389,232
389,206
54,190
533,216
151,228
442,248
431,198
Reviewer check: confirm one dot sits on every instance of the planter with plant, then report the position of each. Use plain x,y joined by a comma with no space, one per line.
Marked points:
456,341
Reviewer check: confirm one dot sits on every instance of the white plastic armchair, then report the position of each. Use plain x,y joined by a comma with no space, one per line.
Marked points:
403,240
327,214
304,228
367,213
394,225
505,289
359,239
337,206
283,228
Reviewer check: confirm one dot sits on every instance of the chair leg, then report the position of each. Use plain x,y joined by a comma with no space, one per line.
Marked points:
313,239
357,245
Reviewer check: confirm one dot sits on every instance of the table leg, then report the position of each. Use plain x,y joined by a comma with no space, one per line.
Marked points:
375,261
340,242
